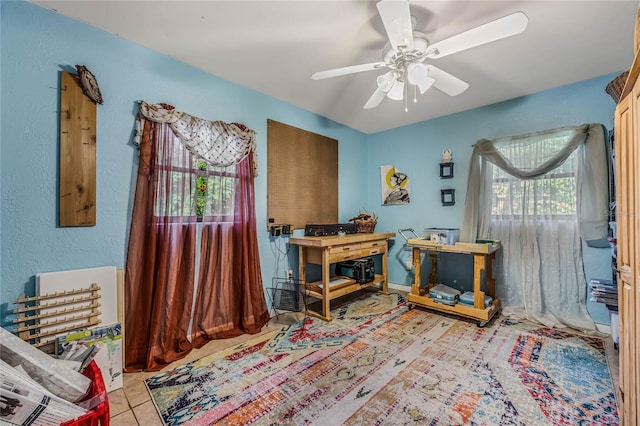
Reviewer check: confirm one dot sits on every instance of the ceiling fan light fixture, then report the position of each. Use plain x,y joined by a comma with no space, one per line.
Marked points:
397,91
420,42
419,75
387,54
386,81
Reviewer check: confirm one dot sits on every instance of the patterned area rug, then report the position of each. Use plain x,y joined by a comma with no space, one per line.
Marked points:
379,363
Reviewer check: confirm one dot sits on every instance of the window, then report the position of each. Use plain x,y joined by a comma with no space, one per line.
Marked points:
216,189
211,190
182,270
553,198
552,194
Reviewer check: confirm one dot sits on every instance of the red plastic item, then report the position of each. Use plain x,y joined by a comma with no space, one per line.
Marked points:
99,414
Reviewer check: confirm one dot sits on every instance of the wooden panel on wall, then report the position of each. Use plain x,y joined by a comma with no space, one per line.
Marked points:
302,176
77,155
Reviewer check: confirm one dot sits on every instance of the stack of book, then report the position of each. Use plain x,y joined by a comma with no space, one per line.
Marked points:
604,291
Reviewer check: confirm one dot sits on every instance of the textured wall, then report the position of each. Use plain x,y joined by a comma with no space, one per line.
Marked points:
36,45
421,151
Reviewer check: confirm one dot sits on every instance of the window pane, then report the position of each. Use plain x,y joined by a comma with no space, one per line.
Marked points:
221,185
553,194
175,181
196,188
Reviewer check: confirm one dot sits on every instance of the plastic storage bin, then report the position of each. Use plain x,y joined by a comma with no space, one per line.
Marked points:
444,294
468,298
97,399
448,236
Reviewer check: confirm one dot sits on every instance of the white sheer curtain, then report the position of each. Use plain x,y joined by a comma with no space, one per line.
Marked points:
540,194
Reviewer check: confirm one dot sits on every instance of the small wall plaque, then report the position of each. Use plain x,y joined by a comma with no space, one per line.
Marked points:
446,170
448,197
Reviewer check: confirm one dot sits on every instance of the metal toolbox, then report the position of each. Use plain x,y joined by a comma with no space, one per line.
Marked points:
360,270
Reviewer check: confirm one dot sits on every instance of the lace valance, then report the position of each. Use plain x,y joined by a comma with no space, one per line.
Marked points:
215,142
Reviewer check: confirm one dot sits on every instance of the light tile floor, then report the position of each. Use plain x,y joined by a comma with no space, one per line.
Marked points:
132,405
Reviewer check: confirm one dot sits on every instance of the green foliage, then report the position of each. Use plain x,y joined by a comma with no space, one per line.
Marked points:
553,194
202,191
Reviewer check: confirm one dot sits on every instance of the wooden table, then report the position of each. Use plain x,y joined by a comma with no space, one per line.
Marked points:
331,249
483,256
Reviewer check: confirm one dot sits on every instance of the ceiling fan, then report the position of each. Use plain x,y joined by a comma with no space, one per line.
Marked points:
407,50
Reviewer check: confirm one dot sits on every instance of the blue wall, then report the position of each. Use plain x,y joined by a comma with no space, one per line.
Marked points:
417,151
37,44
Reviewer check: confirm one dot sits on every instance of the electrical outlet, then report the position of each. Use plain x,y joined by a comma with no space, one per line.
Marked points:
289,274
408,264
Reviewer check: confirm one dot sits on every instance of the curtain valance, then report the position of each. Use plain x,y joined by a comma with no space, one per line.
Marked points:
215,142
574,136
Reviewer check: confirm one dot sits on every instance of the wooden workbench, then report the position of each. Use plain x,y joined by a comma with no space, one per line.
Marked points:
483,256
331,249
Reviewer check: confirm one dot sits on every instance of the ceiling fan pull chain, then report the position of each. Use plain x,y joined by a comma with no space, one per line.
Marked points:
406,84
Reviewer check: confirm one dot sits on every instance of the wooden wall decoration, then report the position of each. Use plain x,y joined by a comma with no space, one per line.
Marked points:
77,205
302,176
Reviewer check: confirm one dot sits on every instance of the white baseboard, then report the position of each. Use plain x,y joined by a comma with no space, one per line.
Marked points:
400,287
606,329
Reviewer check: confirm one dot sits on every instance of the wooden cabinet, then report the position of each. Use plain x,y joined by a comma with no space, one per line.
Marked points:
627,153
332,249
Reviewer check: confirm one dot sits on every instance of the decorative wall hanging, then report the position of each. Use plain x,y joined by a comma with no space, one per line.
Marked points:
446,170
446,167
302,176
395,186
448,197
77,206
89,84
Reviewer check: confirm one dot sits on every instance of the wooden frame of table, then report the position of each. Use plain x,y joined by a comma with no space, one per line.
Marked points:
331,249
483,256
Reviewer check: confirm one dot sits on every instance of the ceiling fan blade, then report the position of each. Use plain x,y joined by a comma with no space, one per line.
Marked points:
446,82
347,70
375,99
495,30
396,17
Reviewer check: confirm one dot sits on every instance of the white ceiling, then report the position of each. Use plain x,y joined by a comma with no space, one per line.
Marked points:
273,47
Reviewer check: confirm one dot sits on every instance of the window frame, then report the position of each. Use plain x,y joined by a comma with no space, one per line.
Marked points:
195,173
552,175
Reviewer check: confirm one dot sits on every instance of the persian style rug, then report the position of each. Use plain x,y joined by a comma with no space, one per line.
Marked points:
380,363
